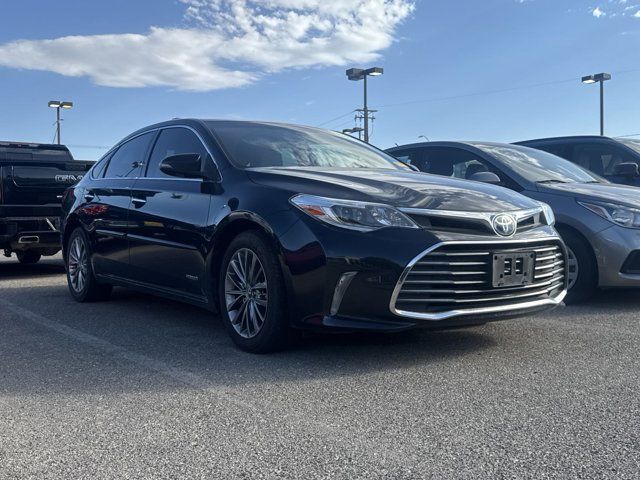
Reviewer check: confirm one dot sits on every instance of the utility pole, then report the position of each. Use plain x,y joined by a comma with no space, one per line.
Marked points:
356,74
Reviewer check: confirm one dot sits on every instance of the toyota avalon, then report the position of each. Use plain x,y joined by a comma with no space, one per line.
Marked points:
599,221
281,227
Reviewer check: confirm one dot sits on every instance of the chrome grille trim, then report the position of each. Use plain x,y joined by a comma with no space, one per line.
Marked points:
549,276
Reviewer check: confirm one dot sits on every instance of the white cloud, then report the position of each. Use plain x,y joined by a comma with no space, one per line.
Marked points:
637,14
597,12
230,43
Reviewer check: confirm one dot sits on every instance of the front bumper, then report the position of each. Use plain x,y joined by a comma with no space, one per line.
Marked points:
612,248
316,259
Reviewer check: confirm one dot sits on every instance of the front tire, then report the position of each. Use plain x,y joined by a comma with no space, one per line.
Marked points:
252,295
28,257
82,281
581,268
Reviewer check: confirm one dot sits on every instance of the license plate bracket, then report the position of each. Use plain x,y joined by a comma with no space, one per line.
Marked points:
513,269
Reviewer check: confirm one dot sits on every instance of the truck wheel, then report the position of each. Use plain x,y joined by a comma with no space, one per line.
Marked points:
28,257
252,295
82,281
581,268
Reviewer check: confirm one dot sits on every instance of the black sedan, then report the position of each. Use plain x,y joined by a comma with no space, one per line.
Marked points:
278,226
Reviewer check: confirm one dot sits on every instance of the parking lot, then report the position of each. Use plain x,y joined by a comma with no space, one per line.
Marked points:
140,387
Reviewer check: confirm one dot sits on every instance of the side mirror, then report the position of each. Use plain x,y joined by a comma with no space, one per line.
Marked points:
626,169
485,177
185,165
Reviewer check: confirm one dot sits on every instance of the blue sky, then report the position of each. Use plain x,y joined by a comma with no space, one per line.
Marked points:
498,70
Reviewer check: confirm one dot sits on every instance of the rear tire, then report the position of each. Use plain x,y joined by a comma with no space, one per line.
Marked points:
80,277
252,295
28,257
583,263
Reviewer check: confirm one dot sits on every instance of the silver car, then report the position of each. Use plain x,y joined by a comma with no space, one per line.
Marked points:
599,221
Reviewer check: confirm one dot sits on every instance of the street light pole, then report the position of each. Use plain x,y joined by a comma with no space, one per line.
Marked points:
602,108
366,113
361,74
58,105
599,78
58,124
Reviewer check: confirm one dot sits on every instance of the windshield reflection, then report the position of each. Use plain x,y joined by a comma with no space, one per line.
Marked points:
538,166
632,144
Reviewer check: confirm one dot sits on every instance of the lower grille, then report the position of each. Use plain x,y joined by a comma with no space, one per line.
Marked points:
456,277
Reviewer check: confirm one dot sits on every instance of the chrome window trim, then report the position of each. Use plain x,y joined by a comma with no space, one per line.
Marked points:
158,129
471,311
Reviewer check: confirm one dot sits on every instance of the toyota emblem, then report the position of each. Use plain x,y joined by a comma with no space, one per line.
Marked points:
504,225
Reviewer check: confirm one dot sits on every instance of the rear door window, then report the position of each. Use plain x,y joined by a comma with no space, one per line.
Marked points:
128,160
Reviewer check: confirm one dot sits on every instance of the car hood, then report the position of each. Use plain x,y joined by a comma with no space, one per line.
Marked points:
603,192
406,189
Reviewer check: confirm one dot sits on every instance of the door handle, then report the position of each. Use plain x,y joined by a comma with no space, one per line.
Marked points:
176,195
138,202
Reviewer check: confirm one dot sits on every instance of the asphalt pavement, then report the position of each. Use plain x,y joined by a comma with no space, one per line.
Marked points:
140,387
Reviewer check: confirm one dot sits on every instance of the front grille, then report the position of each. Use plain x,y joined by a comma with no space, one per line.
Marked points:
478,225
460,277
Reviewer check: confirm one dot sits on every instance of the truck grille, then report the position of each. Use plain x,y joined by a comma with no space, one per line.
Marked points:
460,277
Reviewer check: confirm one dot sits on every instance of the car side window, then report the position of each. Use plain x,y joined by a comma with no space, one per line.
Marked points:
601,159
174,141
558,149
98,170
127,161
412,157
455,162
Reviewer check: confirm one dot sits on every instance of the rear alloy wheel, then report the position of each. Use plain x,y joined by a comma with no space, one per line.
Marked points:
82,282
252,295
28,257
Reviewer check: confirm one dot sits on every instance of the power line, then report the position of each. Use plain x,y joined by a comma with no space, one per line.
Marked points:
503,90
334,119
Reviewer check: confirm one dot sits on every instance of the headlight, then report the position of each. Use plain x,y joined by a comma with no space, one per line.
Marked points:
618,214
362,216
548,213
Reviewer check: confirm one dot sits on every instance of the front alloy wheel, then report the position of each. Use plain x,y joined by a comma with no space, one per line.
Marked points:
252,294
246,293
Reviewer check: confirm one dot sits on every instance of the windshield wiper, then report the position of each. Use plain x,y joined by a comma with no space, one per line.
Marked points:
552,180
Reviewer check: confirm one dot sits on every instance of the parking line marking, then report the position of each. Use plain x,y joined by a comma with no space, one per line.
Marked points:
333,433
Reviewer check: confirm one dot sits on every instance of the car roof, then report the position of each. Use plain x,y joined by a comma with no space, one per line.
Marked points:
597,138
458,144
32,146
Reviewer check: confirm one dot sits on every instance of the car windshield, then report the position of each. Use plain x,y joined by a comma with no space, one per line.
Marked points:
538,166
632,144
264,145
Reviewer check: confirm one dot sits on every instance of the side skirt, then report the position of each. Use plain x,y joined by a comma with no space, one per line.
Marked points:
170,293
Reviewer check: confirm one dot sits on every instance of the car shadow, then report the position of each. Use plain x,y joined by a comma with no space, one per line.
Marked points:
11,269
195,341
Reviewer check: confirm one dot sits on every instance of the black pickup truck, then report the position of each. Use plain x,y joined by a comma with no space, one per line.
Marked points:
33,178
